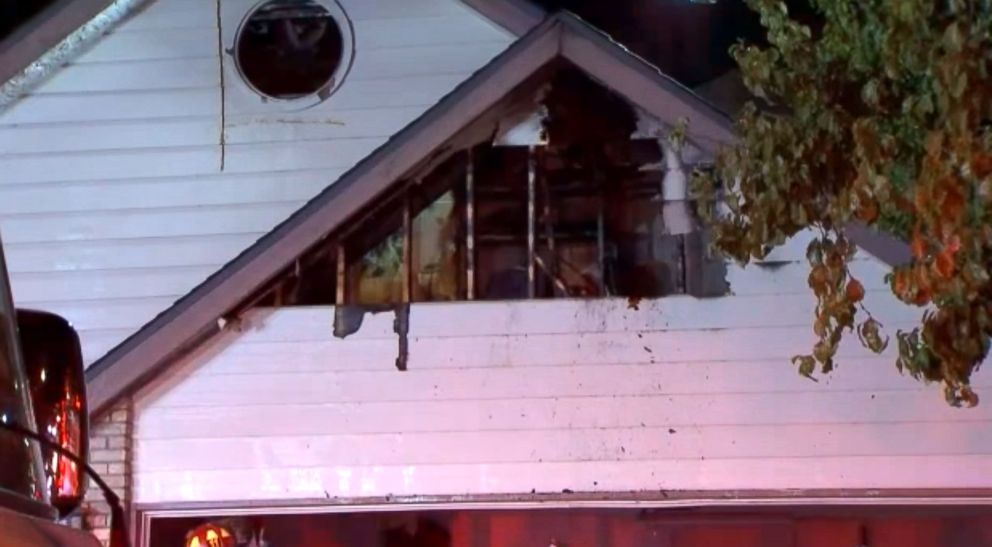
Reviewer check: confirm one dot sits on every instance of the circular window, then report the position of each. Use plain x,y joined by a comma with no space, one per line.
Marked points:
294,49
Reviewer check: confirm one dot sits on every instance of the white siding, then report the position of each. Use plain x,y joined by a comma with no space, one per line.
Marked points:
515,397
112,199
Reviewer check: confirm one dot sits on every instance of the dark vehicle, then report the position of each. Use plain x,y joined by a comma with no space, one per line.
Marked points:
43,429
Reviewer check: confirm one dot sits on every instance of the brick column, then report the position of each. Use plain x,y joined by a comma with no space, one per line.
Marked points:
110,456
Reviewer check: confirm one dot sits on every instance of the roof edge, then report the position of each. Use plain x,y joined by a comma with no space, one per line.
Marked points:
516,16
67,28
59,34
888,249
167,338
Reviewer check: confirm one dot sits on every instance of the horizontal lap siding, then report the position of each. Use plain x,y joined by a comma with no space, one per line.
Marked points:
520,396
113,203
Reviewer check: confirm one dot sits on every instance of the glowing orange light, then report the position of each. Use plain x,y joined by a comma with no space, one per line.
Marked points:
210,535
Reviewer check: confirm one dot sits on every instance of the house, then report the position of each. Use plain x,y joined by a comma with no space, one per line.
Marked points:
443,287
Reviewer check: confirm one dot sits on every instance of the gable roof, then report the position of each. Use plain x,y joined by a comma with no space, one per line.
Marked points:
63,30
194,318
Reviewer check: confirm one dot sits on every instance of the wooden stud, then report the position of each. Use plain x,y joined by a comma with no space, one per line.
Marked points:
470,227
601,245
531,222
407,269
342,278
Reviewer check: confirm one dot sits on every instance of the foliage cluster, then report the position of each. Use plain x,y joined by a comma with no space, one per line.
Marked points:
882,114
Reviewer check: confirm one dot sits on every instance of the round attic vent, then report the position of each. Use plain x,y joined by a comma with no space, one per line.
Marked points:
294,50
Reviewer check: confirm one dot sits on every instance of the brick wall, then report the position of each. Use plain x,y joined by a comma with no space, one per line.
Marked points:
110,456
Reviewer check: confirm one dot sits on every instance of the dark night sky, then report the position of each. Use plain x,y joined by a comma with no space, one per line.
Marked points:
14,12
687,40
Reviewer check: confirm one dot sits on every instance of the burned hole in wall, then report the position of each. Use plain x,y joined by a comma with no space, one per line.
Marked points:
287,49
579,212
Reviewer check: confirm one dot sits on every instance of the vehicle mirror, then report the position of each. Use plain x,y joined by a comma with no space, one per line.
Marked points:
54,366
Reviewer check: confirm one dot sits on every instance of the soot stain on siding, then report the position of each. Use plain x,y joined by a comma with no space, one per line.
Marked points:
348,320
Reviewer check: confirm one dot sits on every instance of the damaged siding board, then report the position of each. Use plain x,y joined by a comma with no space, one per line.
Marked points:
506,397
112,169
564,316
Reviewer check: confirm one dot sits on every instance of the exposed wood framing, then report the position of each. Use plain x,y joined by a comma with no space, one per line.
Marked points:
531,222
407,269
601,244
661,96
342,275
470,226
194,318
